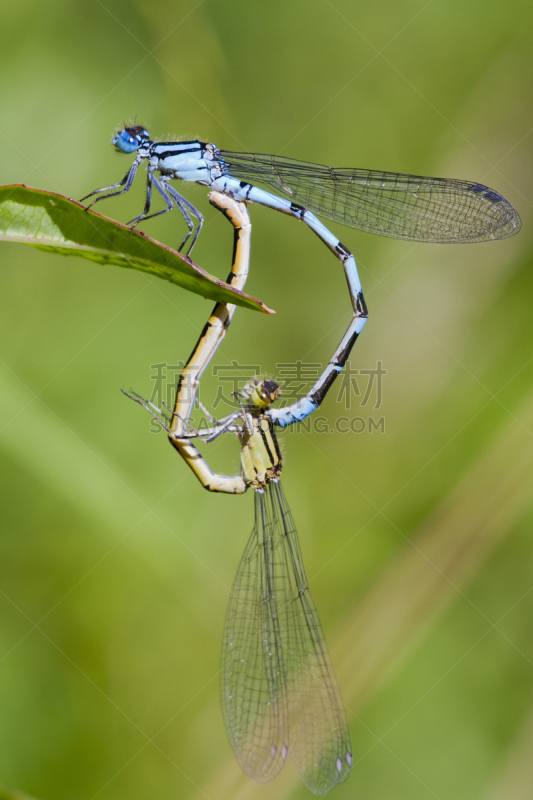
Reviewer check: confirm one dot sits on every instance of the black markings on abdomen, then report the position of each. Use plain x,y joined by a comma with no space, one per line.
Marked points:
298,210
360,306
342,250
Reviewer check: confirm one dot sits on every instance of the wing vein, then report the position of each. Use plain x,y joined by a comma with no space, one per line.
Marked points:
411,207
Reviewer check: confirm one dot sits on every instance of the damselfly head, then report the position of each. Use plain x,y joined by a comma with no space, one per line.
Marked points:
130,139
260,394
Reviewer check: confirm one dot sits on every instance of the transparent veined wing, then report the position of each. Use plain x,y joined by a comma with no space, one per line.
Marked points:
319,735
253,674
279,692
391,204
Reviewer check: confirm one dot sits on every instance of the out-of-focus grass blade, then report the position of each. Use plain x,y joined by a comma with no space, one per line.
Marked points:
57,224
9,795
514,777
439,558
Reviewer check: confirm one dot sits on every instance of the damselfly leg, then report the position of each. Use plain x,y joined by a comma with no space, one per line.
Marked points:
169,194
127,182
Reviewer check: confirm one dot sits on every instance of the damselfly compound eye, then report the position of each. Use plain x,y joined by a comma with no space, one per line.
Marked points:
125,142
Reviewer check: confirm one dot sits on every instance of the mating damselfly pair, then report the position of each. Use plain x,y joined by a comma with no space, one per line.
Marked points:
279,693
391,204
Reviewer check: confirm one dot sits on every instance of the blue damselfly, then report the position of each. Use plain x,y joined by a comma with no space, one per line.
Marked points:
402,206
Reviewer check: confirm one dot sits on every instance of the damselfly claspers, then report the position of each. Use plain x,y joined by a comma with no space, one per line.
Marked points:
279,692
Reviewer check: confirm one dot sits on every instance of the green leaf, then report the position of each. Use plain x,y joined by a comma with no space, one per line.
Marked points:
57,224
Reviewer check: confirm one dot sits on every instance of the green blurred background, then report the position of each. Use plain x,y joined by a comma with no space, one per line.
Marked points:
115,564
